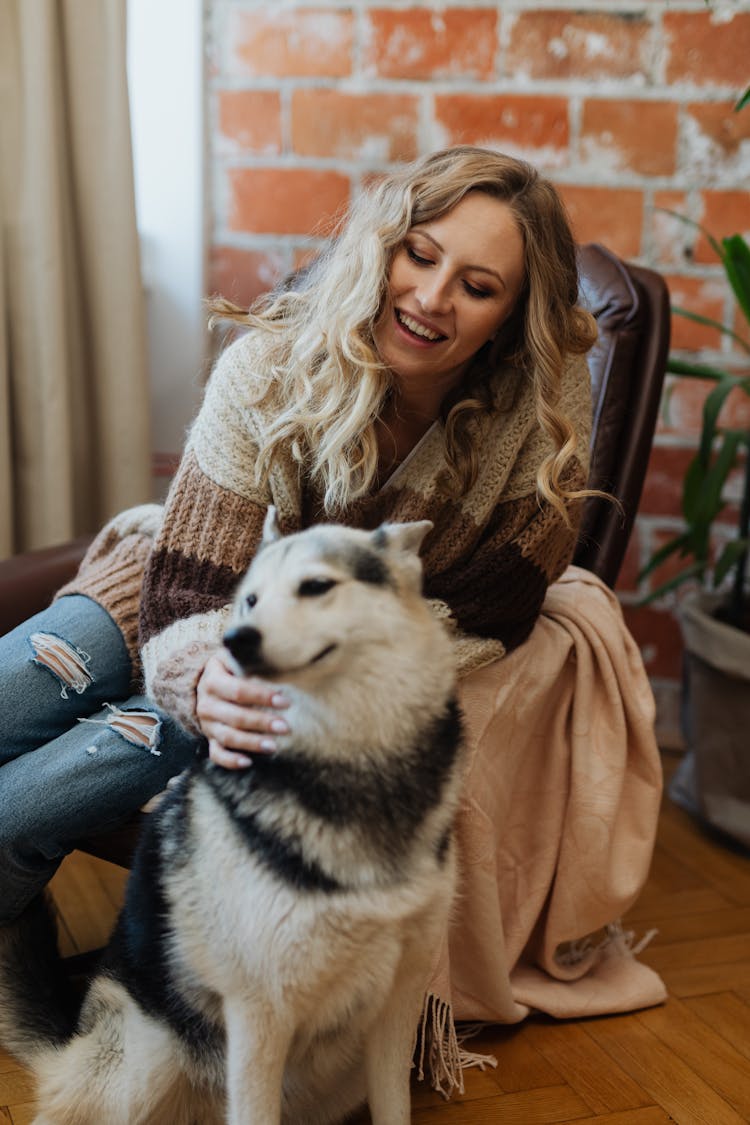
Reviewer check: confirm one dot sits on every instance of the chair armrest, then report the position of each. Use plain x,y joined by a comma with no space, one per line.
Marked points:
29,581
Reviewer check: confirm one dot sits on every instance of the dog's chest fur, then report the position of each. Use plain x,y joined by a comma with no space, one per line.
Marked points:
296,878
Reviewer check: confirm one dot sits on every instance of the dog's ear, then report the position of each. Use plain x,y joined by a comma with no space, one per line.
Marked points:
402,536
271,530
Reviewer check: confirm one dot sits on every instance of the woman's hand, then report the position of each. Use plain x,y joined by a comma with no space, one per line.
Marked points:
236,713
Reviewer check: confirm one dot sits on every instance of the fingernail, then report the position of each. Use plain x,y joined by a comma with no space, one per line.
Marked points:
279,726
279,700
267,744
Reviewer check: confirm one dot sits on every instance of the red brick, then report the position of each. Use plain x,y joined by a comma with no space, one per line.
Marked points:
424,43
251,119
535,128
636,136
303,42
567,44
724,213
378,127
672,239
304,256
286,200
719,132
242,275
706,50
662,490
685,412
612,216
626,580
697,295
658,636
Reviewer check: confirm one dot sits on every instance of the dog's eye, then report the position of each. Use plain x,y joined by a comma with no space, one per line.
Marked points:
251,600
314,587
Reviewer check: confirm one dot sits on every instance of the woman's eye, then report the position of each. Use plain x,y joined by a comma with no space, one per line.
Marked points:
416,257
473,291
314,587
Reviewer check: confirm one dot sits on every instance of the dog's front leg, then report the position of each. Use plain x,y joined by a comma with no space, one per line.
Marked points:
257,1047
388,1058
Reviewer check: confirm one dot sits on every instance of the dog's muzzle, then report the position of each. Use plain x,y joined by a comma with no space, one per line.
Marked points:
245,643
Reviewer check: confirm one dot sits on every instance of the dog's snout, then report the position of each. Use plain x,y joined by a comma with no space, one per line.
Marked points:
244,643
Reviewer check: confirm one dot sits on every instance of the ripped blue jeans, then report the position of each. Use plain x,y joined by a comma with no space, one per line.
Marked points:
78,753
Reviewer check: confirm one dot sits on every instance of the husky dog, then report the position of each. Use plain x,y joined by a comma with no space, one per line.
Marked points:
280,922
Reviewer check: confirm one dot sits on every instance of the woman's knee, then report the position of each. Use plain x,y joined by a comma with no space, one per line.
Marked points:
57,667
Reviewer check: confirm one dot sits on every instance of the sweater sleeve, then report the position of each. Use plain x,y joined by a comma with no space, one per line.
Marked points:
111,572
212,525
497,593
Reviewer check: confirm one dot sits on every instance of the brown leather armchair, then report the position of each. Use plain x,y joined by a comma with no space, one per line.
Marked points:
627,365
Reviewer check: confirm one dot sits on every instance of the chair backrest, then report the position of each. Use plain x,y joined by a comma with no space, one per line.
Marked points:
627,365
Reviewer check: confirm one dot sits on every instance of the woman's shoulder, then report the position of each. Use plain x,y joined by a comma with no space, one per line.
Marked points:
235,407
241,369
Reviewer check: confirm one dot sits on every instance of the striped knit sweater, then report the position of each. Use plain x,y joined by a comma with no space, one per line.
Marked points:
487,563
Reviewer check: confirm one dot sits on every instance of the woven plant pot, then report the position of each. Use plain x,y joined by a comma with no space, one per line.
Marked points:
713,779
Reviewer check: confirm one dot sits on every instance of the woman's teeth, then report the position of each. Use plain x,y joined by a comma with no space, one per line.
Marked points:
417,328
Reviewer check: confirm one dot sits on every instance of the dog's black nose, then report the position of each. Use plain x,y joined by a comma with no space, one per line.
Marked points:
244,643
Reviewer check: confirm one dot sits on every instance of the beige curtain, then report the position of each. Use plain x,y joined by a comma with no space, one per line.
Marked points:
74,397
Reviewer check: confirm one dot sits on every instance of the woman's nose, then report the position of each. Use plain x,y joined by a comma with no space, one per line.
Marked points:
433,294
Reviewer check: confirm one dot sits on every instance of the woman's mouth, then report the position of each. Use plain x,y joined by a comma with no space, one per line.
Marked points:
416,330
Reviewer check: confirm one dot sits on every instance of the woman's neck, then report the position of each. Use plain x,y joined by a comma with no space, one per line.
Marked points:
399,429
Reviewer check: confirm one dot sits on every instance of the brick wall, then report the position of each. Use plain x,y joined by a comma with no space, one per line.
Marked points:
626,106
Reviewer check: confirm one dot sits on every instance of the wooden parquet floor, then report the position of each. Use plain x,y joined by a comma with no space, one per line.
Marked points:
687,1061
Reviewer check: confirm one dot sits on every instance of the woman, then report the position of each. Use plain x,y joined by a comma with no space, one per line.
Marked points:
430,365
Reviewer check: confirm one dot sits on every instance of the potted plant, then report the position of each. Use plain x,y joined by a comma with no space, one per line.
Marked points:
713,779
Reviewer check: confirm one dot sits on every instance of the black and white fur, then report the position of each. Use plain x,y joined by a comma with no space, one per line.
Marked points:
281,922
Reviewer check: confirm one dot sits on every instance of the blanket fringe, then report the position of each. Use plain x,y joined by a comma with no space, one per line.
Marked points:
440,1054
615,938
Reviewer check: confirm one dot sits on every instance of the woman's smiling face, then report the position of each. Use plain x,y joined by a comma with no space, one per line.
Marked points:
451,285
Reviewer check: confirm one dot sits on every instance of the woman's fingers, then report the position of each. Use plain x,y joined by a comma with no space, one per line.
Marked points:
238,712
211,709
227,759
247,691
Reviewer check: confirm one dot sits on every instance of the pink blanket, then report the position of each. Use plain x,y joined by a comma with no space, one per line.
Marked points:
555,831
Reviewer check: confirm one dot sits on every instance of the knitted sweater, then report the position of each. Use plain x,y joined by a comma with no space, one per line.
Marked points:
111,572
487,562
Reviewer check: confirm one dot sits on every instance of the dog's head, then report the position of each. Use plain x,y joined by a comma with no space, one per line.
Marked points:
324,596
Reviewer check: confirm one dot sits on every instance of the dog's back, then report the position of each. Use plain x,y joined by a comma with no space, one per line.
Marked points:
281,921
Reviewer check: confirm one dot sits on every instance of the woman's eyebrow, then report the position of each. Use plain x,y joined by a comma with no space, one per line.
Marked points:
435,243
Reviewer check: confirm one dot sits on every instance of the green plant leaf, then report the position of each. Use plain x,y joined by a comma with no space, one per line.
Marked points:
742,101
736,260
707,320
694,571
711,410
691,489
707,483
676,544
727,559
692,370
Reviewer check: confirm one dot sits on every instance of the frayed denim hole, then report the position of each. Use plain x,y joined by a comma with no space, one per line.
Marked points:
67,663
137,726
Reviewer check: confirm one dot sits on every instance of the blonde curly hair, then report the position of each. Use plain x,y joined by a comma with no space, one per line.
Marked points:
316,336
